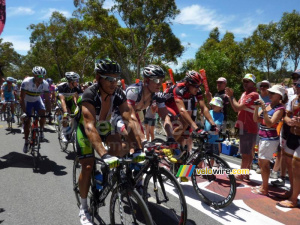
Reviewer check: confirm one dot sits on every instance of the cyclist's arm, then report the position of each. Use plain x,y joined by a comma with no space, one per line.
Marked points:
89,118
205,112
133,132
63,103
140,136
47,101
185,114
163,113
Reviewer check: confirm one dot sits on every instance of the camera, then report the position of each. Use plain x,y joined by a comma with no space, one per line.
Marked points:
257,102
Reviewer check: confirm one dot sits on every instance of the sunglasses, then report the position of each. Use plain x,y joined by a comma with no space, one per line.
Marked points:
264,86
169,83
156,80
40,76
195,86
111,79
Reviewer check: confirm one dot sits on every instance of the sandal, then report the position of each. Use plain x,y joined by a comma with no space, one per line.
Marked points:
259,192
286,195
287,204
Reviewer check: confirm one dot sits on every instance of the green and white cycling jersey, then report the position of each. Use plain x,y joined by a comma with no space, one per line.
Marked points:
65,90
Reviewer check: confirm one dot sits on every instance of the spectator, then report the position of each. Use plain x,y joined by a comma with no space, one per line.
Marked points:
169,83
218,117
269,117
245,123
221,85
292,151
285,131
263,87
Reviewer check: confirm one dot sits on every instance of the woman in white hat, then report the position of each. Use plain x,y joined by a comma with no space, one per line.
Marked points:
269,116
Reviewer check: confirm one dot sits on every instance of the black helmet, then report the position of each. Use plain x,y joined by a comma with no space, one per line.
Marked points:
72,76
107,66
153,71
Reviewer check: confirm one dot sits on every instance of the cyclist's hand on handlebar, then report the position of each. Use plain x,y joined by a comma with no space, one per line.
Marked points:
111,161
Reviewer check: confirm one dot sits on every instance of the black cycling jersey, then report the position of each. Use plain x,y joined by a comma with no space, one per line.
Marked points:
65,90
92,96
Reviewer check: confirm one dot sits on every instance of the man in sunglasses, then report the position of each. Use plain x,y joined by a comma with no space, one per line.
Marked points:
245,123
68,94
100,103
30,99
181,102
147,93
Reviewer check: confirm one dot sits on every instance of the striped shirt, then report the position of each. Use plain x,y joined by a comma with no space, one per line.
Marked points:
33,93
269,133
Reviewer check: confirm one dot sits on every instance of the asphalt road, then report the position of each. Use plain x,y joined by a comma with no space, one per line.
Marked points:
46,197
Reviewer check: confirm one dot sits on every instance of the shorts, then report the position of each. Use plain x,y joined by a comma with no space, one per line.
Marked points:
150,121
247,142
212,148
267,148
36,106
83,144
9,99
295,153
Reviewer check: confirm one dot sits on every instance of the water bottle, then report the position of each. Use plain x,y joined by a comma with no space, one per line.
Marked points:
99,180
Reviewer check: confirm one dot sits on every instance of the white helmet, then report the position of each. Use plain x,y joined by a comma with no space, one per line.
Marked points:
38,70
72,76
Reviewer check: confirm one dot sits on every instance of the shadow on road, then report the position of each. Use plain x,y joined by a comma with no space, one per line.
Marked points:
19,160
1,210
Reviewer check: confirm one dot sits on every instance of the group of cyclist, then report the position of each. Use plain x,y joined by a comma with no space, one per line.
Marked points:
109,115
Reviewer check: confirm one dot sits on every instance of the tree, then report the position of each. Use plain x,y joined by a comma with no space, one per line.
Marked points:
289,26
146,37
265,46
9,58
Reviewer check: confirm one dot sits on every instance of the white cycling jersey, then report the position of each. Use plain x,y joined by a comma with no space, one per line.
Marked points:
33,93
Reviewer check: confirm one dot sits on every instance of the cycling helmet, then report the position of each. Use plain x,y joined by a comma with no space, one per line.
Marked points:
19,82
10,79
107,66
38,70
72,76
153,71
49,80
193,77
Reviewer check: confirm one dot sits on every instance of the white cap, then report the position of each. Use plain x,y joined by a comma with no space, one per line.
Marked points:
222,79
265,82
217,101
278,89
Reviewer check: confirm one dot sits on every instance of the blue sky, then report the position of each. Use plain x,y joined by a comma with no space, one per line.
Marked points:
192,26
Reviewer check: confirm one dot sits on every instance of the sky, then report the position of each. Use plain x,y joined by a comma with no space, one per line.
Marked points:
192,26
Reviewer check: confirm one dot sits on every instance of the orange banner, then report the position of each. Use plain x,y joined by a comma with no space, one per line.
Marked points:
164,85
203,75
171,75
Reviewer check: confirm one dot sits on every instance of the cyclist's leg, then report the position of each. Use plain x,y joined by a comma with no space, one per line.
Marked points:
39,107
86,159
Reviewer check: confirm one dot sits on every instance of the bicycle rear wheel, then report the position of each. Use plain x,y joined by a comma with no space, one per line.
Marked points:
76,173
164,197
36,149
128,207
216,190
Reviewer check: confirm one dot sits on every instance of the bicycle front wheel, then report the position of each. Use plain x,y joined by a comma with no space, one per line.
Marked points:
128,207
164,198
217,190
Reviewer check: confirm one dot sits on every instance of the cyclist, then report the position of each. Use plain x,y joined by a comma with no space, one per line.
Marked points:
30,99
181,100
143,94
98,105
68,94
8,95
